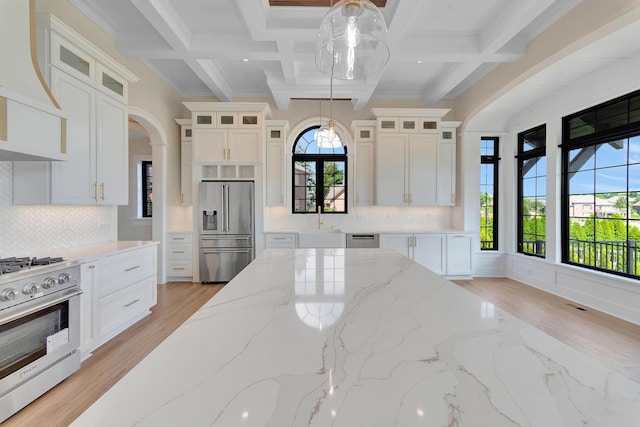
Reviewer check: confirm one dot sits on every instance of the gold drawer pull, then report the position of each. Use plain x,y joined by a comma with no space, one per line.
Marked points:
178,268
132,268
131,303
178,252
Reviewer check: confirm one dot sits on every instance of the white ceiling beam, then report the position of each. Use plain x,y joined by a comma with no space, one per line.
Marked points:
287,62
166,20
503,31
507,24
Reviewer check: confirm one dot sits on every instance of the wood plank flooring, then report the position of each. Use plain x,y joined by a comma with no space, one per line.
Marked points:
614,341
65,402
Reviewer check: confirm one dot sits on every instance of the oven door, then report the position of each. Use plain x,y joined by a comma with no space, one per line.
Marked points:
37,336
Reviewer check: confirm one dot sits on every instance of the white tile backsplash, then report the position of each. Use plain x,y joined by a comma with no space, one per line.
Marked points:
36,229
370,218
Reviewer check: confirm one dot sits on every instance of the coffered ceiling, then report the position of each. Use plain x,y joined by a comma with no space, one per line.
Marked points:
235,49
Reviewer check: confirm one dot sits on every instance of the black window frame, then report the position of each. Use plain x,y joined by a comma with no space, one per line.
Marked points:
494,161
539,247
319,159
596,130
146,187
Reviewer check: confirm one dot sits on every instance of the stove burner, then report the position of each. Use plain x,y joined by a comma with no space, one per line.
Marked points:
10,265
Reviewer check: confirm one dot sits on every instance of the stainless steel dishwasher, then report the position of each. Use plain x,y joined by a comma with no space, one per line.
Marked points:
363,240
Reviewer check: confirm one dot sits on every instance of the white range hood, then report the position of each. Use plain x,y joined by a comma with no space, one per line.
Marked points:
32,125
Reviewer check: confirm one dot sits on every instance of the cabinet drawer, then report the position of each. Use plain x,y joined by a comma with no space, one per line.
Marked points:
124,269
119,309
179,238
281,238
179,251
179,269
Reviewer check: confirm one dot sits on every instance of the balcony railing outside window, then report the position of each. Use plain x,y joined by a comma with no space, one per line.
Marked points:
623,257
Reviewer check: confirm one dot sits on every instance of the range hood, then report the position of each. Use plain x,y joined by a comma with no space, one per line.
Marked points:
32,125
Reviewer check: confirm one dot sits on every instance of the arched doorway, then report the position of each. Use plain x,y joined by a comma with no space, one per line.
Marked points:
158,141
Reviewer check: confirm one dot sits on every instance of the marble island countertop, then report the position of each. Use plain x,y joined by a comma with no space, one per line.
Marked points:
336,337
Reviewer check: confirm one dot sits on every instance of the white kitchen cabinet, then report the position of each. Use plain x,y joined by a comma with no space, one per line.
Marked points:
209,145
412,165
92,89
364,135
112,152
406,169
228,132
447,164
186,157
117,291
125,307
281,240
88,308
212,145
459,254
275,164
179,257
427,249
127,290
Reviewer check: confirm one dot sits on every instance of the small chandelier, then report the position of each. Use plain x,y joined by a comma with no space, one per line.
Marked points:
352,39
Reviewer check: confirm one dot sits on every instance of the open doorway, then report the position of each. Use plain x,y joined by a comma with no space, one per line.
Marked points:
135,218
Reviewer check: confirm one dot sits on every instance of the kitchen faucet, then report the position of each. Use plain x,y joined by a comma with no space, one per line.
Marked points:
319,217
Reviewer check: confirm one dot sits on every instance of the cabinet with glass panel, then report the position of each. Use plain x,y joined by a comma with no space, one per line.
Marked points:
92,88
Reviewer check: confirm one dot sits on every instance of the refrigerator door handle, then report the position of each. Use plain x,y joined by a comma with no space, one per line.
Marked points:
226,208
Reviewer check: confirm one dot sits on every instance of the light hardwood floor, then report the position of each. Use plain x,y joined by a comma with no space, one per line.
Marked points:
614,341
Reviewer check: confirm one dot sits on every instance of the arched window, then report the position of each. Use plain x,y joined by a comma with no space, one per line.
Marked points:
319,176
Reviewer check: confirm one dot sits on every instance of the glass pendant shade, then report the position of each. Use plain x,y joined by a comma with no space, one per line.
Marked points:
354,35
328,137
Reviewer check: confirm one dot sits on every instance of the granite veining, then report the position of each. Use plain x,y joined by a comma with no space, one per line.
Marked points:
361,337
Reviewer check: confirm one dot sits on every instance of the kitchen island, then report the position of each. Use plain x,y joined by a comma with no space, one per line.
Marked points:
360,337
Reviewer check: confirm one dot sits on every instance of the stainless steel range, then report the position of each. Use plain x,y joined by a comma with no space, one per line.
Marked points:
39,328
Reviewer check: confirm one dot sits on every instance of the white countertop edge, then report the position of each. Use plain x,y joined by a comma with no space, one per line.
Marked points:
91,252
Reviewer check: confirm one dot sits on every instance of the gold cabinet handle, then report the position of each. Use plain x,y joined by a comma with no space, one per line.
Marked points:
229,153
102,185
95,191
132,268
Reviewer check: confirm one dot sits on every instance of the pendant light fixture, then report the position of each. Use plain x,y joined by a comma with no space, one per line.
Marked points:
352,41
327,136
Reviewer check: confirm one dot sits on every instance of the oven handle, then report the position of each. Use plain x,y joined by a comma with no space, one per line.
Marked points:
41,304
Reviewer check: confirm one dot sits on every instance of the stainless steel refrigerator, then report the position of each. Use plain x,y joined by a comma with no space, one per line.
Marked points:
226,229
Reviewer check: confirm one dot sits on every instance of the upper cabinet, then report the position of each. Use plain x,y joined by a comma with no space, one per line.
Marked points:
413,163
446,192
92,89
228,132
364,134
186,157
275,164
